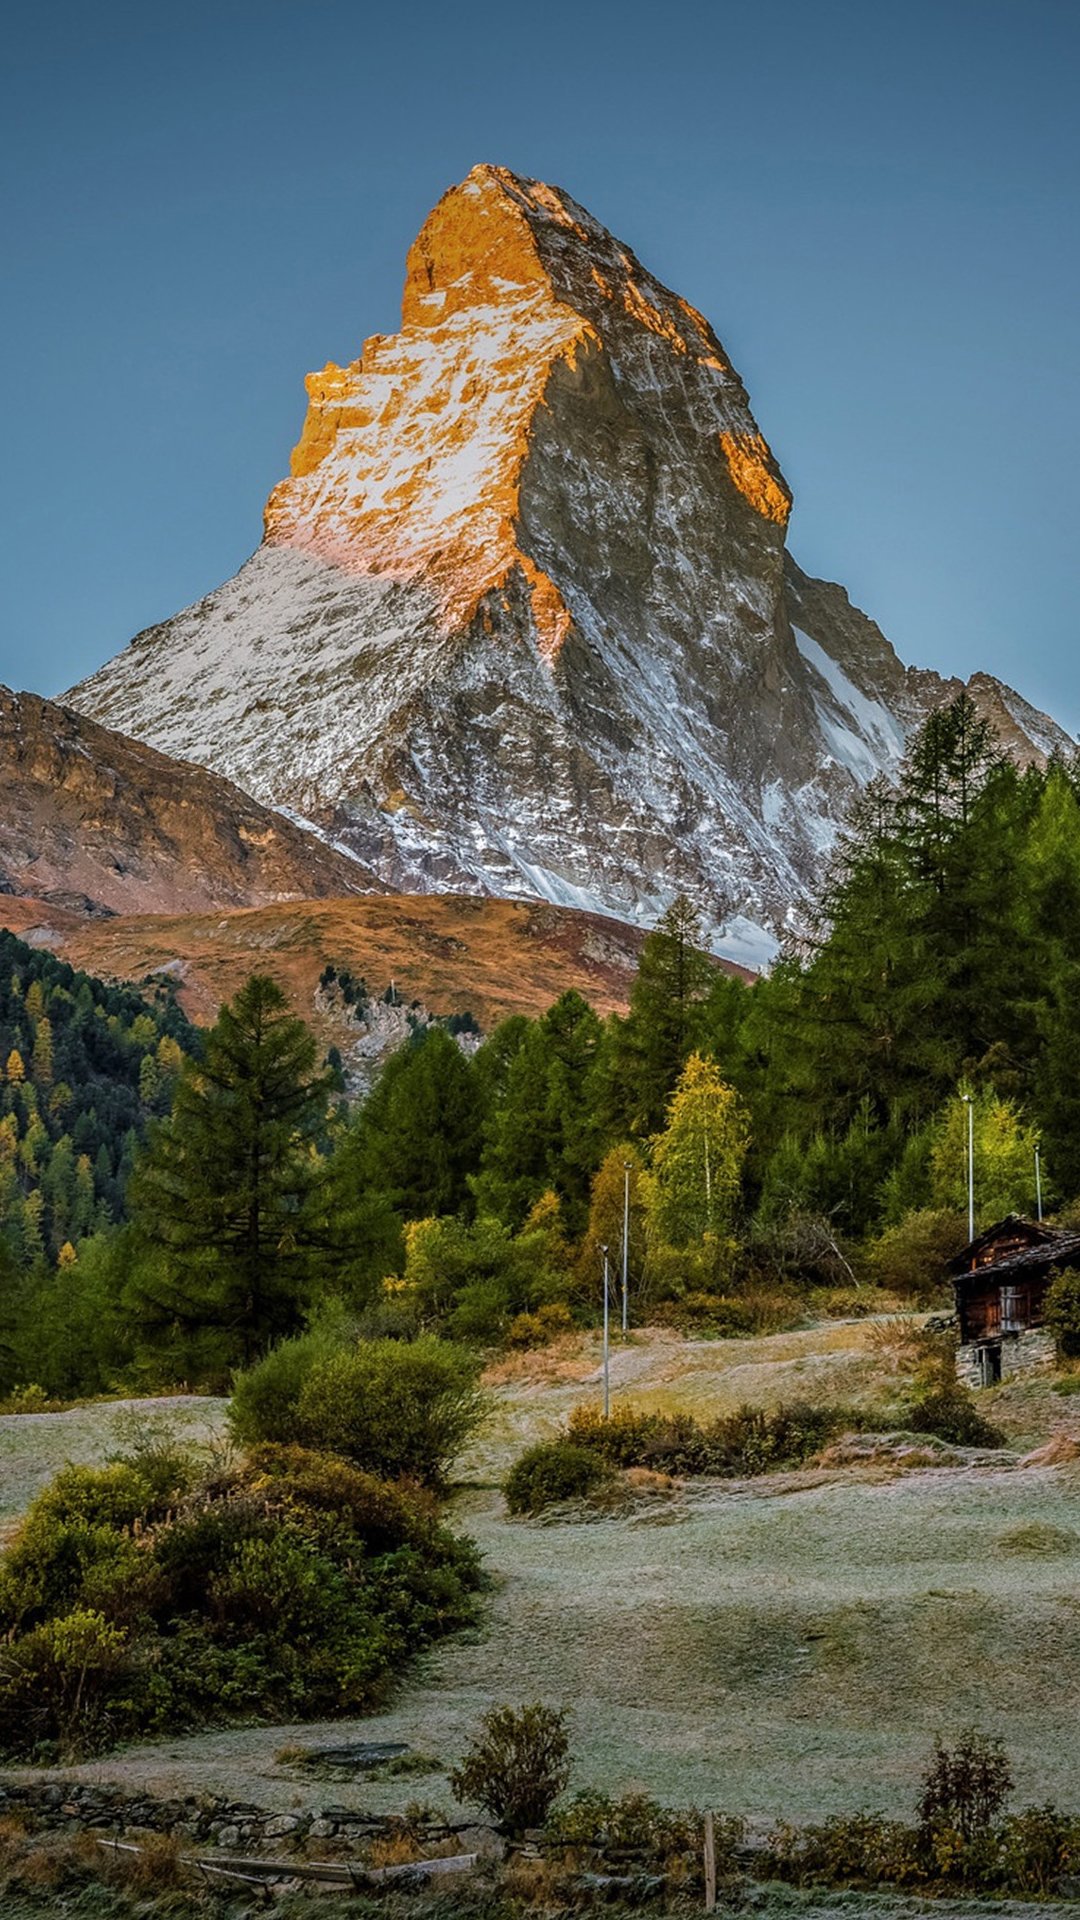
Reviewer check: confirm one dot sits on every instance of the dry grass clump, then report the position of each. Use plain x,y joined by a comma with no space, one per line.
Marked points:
899,1342
568,1358
1061,1451
1039,1539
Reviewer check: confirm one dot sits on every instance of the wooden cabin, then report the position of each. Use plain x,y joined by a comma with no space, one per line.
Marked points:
1000,1282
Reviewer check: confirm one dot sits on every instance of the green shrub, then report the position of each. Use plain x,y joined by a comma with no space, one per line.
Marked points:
265,1397
552,1471
750,1441
965,1787
56,1683
54,1563
849,1850
1038,1848
289,1585
316,1484
1063,1312
516,1765
911,1258
951,1413
394,1407
539,1329
30,1399
634,1831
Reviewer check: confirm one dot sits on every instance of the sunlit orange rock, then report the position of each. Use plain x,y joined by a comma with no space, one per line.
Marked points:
412,459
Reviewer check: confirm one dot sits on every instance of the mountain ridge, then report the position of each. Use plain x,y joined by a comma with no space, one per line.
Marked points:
104,824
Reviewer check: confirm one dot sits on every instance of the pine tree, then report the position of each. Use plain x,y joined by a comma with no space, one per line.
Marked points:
418,1134
544,1133
229,1192
646,1052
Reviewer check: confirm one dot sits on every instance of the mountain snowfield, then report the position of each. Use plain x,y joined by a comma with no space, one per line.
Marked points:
523,621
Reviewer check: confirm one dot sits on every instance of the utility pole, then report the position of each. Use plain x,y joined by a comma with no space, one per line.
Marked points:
627,1170
1038,1186
607,1340
970,1104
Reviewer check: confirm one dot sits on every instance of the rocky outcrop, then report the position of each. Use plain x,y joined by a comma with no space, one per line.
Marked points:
102,824
523,620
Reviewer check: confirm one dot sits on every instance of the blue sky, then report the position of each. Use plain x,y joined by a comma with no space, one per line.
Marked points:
875,205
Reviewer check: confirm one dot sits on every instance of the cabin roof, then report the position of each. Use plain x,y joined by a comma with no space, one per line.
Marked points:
1014,1226
1057,1250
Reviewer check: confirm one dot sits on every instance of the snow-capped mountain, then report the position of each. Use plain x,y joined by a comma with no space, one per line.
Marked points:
523,620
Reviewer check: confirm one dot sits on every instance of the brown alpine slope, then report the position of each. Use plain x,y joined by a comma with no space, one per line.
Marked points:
97,822
452,954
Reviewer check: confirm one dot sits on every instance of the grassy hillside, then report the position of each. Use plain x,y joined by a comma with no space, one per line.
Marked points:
784,1646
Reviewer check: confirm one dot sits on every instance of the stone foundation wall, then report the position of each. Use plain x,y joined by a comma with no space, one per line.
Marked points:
969,1366
1021,1353
1027,1352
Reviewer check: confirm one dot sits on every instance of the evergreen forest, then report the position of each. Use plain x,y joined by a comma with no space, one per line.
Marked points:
173,1204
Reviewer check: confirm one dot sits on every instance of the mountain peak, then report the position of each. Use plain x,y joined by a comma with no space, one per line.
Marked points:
411,458
524,621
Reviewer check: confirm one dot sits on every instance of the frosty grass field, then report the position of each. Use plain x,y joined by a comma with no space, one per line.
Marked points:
787,1647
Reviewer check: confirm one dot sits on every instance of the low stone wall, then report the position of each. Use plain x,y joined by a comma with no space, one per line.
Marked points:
208,1820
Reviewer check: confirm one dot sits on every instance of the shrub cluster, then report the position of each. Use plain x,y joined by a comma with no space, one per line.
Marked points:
137,1597
752,1440
1030,1853
634,1831
393,1407
554,1470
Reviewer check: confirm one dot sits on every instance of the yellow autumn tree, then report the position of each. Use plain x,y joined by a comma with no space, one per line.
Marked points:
698,1159
1004,1153
41,1065
607,1210
15,1071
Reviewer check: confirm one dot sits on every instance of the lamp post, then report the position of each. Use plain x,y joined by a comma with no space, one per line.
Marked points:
627,1170
607,1340
1038,1186
969,1103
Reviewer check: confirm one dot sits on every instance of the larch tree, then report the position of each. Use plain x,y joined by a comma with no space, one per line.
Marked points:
698,1159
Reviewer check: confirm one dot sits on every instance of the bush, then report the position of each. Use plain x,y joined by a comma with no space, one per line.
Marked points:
394,1407
1037,1849
289,1585
635,1831
911,1258
553,1471
539,1329
265,1396
57,1680
965,1787
1063,1312
850,1850
751,1441
951,1414
516,1766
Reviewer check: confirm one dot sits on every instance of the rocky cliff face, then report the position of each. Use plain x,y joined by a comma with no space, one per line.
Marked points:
104,825
523,620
